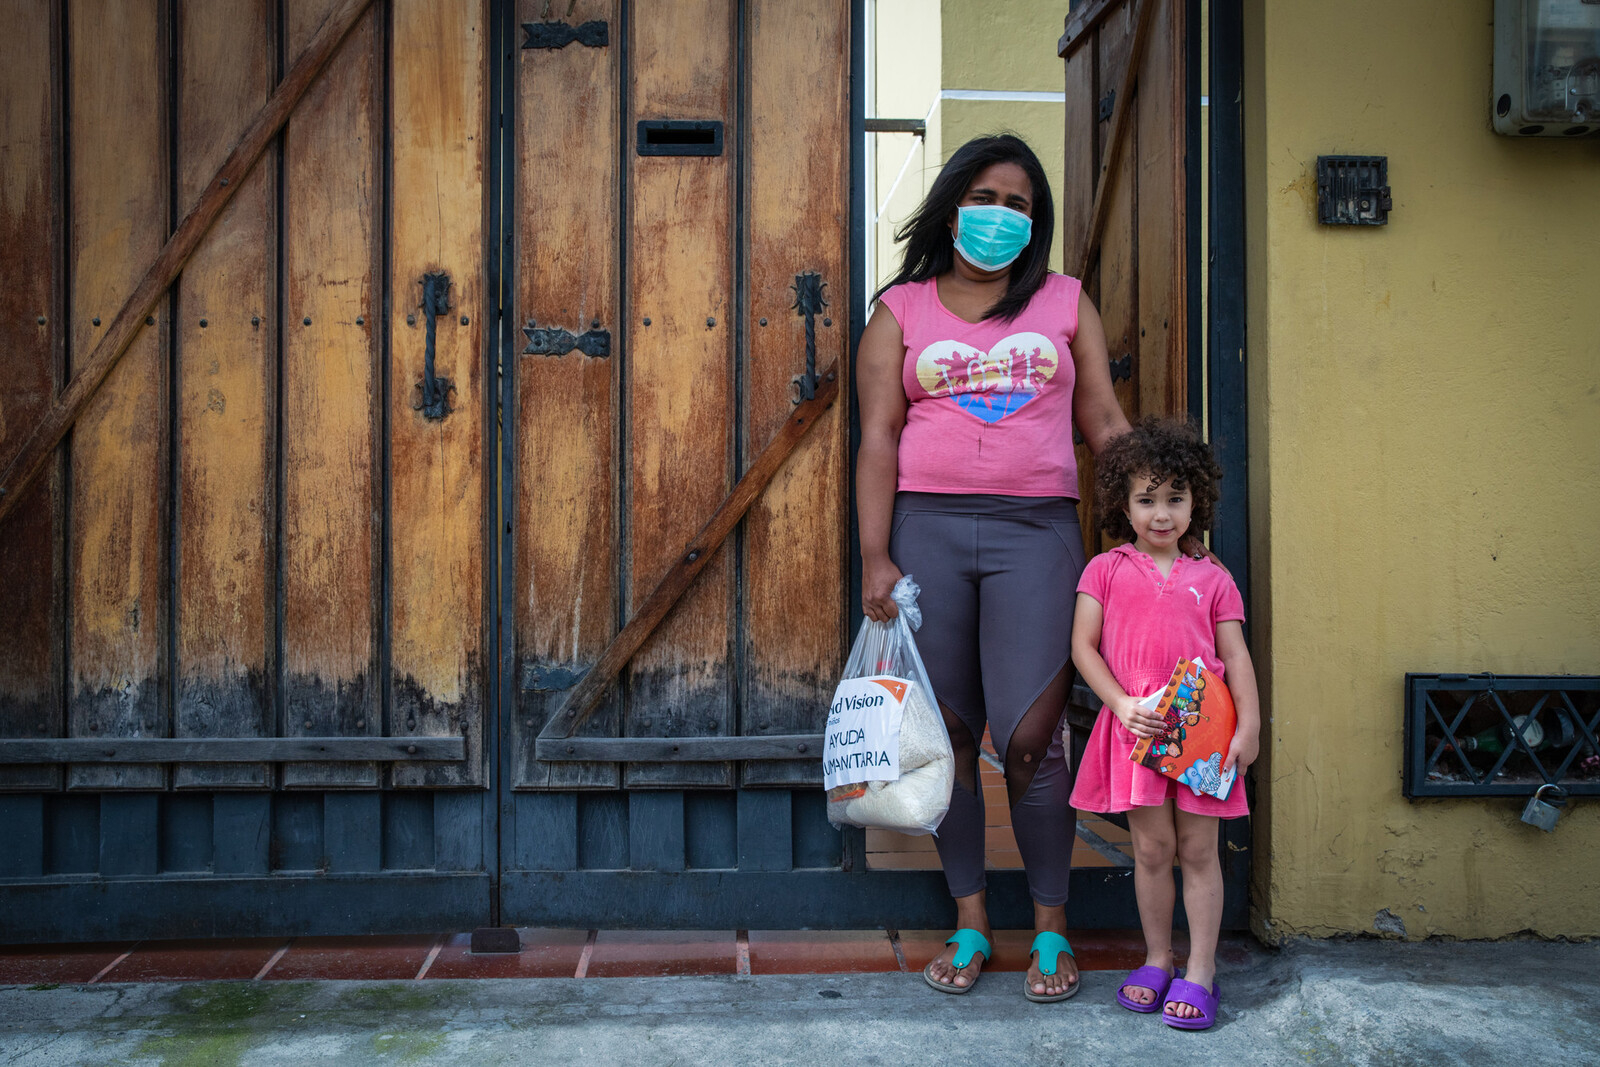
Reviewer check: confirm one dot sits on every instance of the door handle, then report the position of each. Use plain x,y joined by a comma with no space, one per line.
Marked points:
809,302
433,392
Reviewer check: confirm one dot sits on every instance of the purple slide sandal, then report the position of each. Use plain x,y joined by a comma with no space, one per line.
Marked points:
1185,992
1148,978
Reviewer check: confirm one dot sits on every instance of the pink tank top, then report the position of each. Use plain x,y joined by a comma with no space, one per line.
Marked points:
989,403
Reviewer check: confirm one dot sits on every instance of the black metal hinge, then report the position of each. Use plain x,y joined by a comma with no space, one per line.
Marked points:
595,34
548,341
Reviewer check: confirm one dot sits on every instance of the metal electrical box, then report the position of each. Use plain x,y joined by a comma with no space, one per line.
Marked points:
1546,68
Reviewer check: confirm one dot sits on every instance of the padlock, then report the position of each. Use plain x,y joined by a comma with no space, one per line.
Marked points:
1542,814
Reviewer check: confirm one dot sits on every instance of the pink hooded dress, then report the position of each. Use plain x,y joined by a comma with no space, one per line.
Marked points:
1150,624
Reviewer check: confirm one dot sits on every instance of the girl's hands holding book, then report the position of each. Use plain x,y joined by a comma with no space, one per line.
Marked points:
1136,718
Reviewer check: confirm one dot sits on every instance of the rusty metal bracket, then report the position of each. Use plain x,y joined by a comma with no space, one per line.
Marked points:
554,341
555,35
433,392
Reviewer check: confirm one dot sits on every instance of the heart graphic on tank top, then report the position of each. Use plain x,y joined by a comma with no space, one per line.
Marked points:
989,385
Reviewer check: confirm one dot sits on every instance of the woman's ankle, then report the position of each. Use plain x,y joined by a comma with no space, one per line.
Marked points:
972,913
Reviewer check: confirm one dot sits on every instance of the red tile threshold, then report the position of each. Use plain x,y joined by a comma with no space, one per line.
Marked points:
195,961
821,952
56,964
372,958
545,954
641,953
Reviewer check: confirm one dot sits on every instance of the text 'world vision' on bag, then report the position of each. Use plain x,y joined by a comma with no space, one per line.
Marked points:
886,760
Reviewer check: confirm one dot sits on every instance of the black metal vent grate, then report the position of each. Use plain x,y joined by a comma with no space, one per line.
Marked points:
1484,735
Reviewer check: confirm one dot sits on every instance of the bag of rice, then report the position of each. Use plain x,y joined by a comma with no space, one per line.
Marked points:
886,759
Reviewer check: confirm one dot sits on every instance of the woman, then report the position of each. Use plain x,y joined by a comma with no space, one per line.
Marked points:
971,374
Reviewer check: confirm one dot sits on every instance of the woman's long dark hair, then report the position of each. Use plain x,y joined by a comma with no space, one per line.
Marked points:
929,248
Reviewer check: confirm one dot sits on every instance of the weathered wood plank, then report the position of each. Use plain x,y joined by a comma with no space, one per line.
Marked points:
231,750
1112,239
72,833
584,697
119,193
458,822
332,496
241,827
796,536
655,831
793,747
602,831
1161,363
816,842
129,834
1118,52
680,376
351,832
766,831
22,468
32,336
546,836
711,830
566,426
1085,17
297,843
227,376
437,529
23,818
186,832
1082,144
408,838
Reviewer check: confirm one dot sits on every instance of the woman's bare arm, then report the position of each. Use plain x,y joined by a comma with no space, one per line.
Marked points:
882,398
1095,411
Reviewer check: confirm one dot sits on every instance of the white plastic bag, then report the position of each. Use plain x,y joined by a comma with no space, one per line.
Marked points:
886,757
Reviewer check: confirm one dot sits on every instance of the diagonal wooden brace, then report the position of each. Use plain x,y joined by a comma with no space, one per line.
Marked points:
1120,123
35,452
585,697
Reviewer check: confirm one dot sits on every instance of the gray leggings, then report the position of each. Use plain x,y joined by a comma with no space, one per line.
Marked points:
999,578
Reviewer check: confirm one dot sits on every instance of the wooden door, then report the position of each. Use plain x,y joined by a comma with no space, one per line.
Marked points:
1125,210
680,179
1130,220
251,586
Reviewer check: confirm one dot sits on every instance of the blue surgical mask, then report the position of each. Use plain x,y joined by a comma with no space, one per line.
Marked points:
990,236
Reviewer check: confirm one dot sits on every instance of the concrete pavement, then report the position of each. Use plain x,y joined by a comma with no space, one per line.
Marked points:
1362,1002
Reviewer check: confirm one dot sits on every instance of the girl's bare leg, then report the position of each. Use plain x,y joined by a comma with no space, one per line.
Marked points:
1155,844
1202,901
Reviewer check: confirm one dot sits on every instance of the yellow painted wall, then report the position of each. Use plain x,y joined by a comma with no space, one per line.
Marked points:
1424,463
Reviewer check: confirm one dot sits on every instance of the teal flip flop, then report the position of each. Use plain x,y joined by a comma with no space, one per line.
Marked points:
1050,946
967,942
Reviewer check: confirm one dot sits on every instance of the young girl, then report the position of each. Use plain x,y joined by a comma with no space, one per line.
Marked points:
1141,608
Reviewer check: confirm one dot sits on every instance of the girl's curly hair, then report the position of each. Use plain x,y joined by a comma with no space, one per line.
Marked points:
1162,449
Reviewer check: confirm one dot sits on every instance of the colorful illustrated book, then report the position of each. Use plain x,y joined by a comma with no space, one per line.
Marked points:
1199,724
